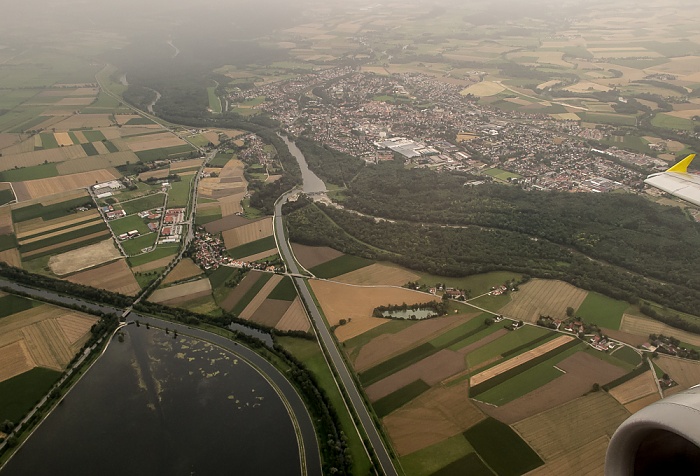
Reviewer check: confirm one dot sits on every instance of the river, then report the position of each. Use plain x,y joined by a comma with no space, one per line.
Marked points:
154,404
312,183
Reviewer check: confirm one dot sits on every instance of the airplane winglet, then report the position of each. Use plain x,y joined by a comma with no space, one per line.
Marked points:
682,166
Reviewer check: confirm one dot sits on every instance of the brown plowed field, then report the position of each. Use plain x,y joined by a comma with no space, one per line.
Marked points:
159,263
586,460
270,312
593,416
310,256
295,318
115,276
431,418
49,186
625,337
356,304
247,233
431,370
185,269
158,174
540,296
639,387
15,359
255,303
83,258
635,406
582,371
6,140
386,346
237,293
179,301
482,342
378,274
644,326
11,257
685,372
233,168
519,360
227,223
181,290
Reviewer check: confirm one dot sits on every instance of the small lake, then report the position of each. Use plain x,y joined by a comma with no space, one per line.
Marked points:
155,405
410,314
312,183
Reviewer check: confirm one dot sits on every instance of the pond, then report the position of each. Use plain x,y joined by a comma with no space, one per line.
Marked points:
154,404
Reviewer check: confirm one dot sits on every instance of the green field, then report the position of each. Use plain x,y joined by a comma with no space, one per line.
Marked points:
12,304
284,291
19,394
470,464
165,153
49,212
512,340
110,147
220,275
6,196
214,101
7,242
526,380
29,173
490,438
48,140
309,352
340,265
614,119
148,202
135,245
221,159
126,224
89,149
427,461
139,121
94,136
501,174
602,310
399,398
207,215
21,120
179,192
476,284
627,354
158,253
254,247
252,292
492,303
672,122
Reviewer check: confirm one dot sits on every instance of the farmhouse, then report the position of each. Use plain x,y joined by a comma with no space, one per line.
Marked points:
113,215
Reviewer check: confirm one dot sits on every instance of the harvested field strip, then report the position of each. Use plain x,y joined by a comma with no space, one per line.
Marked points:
625,378
61,209
76,327
488,379
269,254
399,398
247,233
47,345
378,274
32,230
493,352
528,345
636,405
115,276
594,415
28,239
636,388
227,223
253,247
490,437
586,459
19,394
50,186
185,269
30,159
15,360
241,290
295,318
252,294
685,372
89,164
340,265
644,326
544,297
59,237
11,257
162,256
164,153
84,258
67,245
180,290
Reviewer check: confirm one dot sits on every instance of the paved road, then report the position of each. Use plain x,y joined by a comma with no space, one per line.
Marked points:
329,343
296,404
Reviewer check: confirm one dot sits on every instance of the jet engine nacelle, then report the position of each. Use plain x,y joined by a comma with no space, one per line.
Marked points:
663,438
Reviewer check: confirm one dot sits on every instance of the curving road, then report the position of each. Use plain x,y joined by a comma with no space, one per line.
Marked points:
329,343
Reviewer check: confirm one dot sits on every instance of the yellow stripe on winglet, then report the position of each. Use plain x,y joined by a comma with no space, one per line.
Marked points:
682,166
